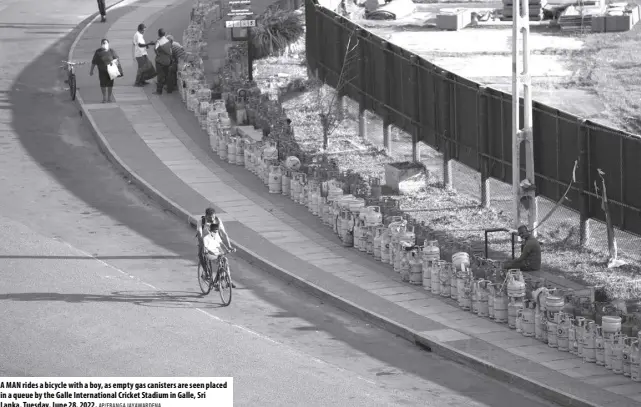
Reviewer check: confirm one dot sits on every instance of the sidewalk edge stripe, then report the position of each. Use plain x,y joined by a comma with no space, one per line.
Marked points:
442,349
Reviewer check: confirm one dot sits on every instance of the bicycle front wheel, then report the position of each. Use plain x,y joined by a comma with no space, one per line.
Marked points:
224,285
203,279
72,86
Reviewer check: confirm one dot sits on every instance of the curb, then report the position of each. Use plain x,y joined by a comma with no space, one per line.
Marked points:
503,375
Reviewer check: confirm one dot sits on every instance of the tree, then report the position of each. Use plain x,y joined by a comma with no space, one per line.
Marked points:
276,31
330,108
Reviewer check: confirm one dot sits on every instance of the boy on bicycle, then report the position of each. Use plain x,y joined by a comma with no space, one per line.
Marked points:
214,239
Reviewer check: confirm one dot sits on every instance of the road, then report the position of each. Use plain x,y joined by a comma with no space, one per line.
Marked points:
96,280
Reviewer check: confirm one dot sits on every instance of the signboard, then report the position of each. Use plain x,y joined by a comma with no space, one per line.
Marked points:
238,8
240,23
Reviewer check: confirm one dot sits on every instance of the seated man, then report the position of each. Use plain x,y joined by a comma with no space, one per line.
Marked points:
530,258
214,241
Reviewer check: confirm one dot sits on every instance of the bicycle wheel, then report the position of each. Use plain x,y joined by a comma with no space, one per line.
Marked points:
204,281
72,86
224,284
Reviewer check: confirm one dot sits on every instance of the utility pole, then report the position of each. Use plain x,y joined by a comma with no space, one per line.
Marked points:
250,55
523,191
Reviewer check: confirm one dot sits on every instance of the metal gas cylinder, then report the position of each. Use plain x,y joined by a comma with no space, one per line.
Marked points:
553,325
285,181
465,291
515,284
609,351
275,180
358,230
475,297
386,240
599,344
416,267
562,332
404,263
635,361
581,323
617,354
513,311
444,278
572,338
501,302
427,274
231,150
540,326
528,320
435,278
627,349
378,235
490,301
589,341
453,283
483,298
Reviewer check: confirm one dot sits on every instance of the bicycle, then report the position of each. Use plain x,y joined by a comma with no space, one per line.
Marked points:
223,275
71,76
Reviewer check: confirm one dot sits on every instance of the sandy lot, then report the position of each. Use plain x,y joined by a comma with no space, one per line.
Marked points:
484,54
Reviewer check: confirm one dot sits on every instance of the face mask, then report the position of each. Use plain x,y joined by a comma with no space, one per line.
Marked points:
105,47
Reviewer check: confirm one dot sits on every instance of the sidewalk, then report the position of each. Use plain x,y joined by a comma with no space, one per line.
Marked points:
159,144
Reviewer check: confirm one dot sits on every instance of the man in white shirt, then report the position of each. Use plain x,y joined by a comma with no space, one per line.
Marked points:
214,247
140,54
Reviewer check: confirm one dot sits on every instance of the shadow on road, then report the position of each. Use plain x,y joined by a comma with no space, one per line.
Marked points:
150,257
171,299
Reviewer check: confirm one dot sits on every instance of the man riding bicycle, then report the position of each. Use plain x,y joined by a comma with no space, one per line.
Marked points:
213,239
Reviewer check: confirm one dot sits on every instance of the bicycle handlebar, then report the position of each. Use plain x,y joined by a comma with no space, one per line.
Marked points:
73,63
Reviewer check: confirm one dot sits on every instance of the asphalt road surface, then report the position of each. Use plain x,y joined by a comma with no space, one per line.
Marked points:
96,280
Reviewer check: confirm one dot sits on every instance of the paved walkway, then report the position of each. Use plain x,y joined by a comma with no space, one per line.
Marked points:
162,143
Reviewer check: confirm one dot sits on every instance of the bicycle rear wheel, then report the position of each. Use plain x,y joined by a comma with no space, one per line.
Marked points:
224,284
204,281
72,86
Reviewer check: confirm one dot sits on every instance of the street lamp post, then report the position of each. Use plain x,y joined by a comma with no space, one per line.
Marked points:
523,191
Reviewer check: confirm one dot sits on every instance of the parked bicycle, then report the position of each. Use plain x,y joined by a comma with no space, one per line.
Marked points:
223,275
71,76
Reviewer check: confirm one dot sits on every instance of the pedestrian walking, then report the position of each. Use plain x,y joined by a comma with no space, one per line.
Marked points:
103,11
177,55
163,62
146,69
102,58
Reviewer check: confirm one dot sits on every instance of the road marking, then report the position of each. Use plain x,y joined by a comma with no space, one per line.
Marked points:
212,316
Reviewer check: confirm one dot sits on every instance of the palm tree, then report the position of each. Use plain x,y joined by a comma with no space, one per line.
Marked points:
275,31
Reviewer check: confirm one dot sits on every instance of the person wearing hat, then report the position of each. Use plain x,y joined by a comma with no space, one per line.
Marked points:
530,258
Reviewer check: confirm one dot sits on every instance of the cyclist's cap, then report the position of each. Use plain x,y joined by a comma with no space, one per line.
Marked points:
210,211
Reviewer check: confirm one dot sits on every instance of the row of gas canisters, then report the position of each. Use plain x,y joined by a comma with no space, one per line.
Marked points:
362,227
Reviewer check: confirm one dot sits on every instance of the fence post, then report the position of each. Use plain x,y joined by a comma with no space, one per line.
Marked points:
445,94
362,112
340,91
484,147
414,83
386,92
584,182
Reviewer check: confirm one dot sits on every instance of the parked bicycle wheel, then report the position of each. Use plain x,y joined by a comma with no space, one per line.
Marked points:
224,283
72,86
204,279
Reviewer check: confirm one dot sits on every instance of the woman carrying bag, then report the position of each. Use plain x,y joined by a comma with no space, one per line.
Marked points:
109,68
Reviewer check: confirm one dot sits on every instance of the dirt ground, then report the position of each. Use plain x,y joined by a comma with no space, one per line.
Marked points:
482,54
